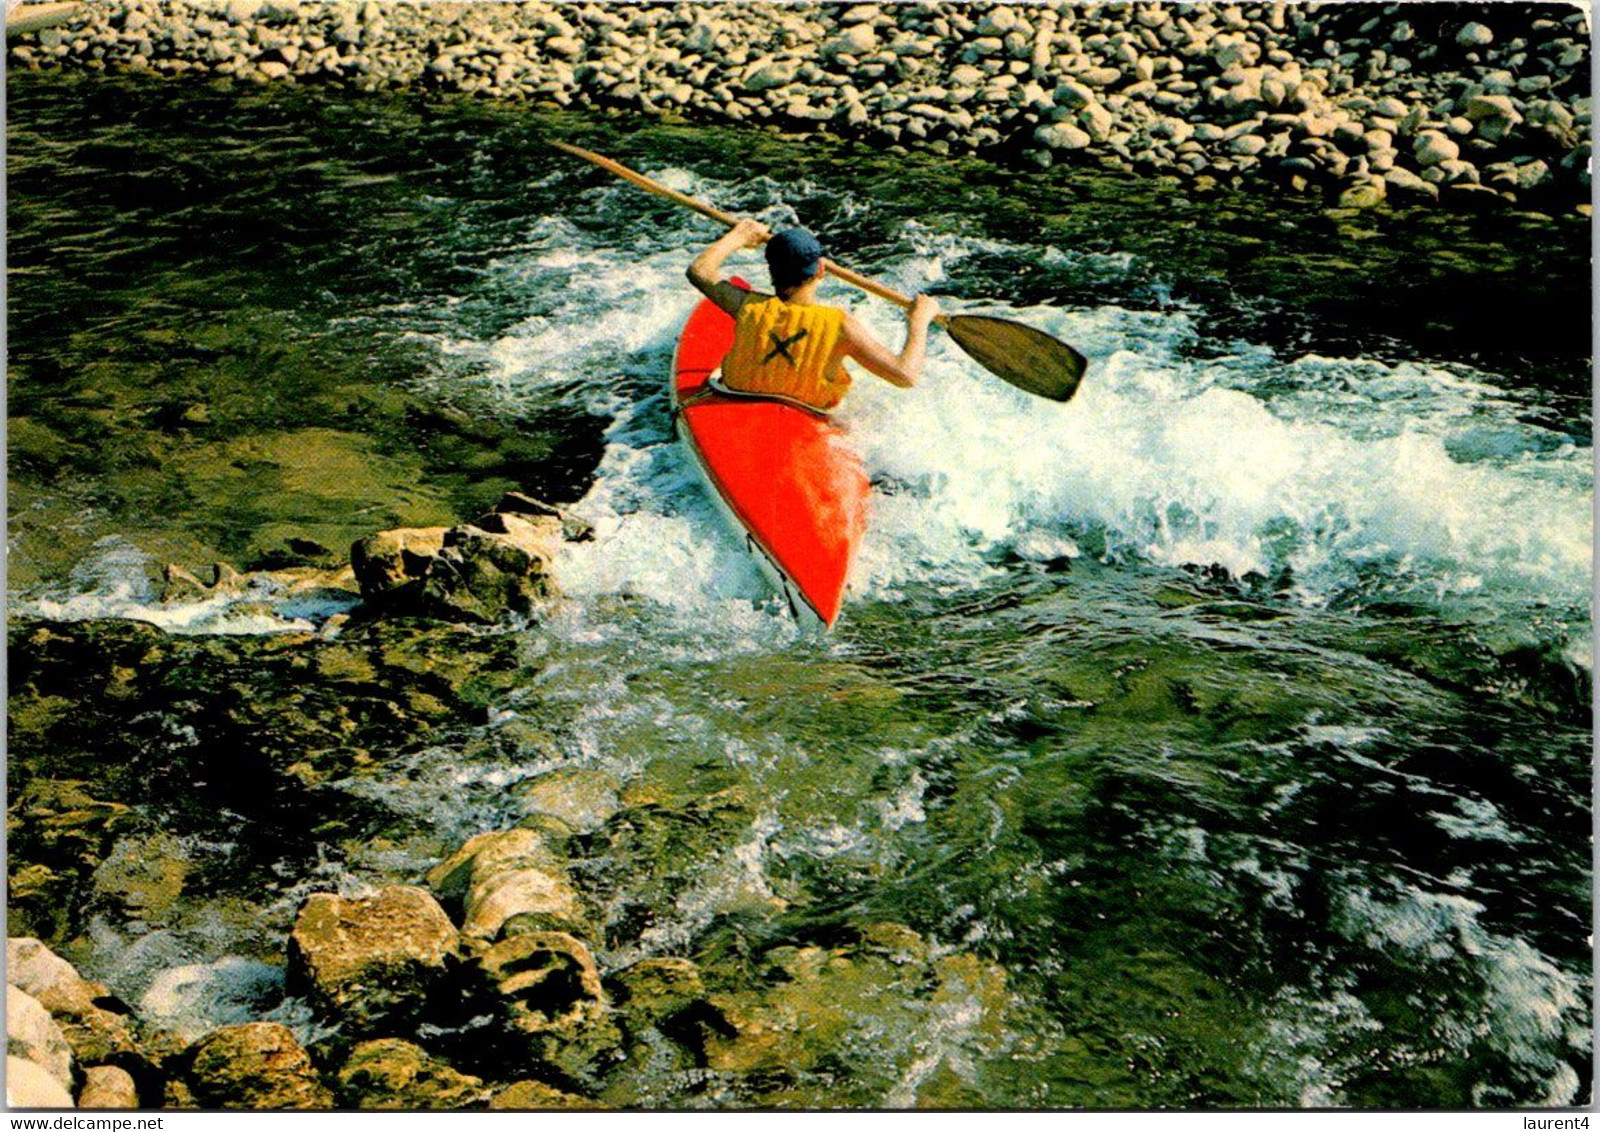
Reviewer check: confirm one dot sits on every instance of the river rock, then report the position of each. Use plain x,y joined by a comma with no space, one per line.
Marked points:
1433,147
393,1074
108,1087
1062,136
96,1026
573,527
385,561
655,989
1494,116
1403,182
371,962
534,1096
481,575
31,1033
547,989
258,1065
30,1085
774,63
510,882
451,879
46,976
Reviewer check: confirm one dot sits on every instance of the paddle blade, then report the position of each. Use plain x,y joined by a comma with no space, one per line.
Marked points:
1029,359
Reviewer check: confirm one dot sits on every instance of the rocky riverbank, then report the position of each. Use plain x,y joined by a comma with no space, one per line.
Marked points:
495,970
1465,104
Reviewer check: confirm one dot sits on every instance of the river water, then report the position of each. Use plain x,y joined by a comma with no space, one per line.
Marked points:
1238,709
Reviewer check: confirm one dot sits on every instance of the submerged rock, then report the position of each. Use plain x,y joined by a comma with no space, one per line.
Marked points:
583,799
257,1065
371,962
653,990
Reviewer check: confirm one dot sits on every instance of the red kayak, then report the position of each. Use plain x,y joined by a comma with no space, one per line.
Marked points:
798,495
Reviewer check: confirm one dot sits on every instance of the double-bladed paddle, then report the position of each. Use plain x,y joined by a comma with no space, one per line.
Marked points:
1030,359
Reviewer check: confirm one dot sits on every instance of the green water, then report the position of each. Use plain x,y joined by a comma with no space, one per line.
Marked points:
1312,829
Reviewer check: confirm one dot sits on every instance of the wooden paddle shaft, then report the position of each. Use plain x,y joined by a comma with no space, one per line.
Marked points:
843,274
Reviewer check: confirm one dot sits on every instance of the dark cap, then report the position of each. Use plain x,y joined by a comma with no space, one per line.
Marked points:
793,256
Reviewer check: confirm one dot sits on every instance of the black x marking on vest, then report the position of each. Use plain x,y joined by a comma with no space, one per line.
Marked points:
781,346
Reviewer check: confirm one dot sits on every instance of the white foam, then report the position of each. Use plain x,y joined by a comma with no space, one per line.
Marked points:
115,581
197,998
1535,1008
1361,477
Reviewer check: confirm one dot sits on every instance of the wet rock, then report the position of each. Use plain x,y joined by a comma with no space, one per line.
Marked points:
258,1065
58,834
451,879
573,528
393,1074
32,1034
29,1085
506,883
652,990
108,1087
371,962
1403,182
1474,35
389,560
583,799
43,974
97,1027
547,989
480,575
525,1096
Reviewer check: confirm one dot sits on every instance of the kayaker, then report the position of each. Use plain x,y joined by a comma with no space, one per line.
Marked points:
790,345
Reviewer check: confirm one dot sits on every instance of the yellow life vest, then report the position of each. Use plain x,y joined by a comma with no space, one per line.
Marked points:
787,349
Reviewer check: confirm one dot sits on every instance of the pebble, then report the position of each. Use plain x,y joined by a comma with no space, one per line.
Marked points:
1148,86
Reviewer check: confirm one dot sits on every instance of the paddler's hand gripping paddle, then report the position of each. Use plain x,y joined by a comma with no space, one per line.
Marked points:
1030,359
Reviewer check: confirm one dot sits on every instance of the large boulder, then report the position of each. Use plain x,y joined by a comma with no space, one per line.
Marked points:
30,1085
258,1065
373,961
484,572
31,1033
476,572
390,1074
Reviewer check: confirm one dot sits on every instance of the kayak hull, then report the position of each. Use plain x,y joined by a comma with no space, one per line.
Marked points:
780,472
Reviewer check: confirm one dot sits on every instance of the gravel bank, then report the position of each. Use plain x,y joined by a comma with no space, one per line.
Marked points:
1465,104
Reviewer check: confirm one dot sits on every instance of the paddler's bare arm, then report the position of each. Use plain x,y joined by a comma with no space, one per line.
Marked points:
706,270
860,346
